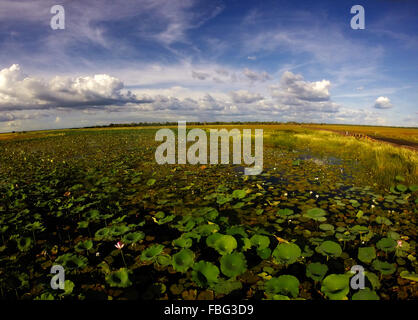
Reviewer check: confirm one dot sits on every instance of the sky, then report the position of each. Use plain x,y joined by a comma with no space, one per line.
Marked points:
207,60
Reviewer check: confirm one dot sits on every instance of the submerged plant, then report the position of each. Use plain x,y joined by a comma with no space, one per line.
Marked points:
233,264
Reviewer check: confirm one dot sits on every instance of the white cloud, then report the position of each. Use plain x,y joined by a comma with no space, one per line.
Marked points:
293,91
19,91
383,103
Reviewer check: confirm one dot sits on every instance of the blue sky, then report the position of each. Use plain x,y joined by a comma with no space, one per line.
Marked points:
149,60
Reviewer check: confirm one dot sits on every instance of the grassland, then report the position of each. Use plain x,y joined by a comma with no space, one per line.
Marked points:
324,203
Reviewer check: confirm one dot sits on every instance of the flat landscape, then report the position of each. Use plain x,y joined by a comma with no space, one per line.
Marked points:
96,202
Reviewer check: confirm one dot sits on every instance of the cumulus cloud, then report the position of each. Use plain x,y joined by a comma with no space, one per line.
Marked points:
19,91
294,91
243,96
383,103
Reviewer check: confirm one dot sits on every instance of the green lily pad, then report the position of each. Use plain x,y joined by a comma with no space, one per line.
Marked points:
151,252
384,267
386,244
133,237
284,284
366,254
183,260
316,214
316,271
335,286
225,244
284,212
286,253
365,294
233,264
119,278
329,249
205,274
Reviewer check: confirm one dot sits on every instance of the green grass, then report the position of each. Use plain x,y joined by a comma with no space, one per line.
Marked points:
382,161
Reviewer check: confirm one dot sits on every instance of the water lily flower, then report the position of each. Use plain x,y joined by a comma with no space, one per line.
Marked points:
310,192
317,196
372,206
119,245
399,243
97,254
285,194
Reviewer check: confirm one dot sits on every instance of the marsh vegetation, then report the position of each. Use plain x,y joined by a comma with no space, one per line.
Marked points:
123,227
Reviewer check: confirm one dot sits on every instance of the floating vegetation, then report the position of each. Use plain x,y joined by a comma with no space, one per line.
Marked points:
122,227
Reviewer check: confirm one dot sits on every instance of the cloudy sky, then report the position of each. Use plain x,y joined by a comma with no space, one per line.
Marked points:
207,60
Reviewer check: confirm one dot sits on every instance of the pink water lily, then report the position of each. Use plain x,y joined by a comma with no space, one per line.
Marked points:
399,242
119,245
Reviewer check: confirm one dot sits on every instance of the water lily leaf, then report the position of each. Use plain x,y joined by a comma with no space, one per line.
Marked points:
316,214
365,294
119,278
205,274
225,244
336,286
152,252
233,264
226,286
260,241
239,194
284,212
284,284
183,260
409,275
83,246
385,268
133,237
286,253
330,249
366,254
316,271
386,244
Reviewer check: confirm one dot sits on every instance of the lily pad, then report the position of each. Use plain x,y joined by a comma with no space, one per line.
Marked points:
284,284
233,264
335,286
329,249
316,271
366,254
286,253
